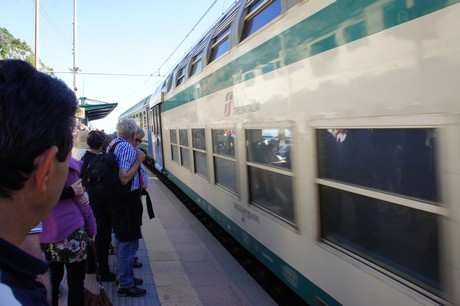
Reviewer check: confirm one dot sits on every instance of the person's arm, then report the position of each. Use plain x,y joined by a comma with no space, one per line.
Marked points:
125,175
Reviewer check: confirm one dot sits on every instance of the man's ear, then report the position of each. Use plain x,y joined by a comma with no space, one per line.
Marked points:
43,165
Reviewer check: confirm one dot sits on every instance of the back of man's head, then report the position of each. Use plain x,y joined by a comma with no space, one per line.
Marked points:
36,113
95,139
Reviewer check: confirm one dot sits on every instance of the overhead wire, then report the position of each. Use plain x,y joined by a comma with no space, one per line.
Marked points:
53,26
150,76
178,46
186,36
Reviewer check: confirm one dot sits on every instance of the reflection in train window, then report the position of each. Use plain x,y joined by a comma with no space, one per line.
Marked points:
272,191
184,148
258,14
183,137
180,76
399,239
220,44
269,146
199,139
174,146
196,64
199,152
169,83
223,142
399,161
269,169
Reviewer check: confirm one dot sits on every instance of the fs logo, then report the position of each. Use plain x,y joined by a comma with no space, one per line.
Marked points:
229,104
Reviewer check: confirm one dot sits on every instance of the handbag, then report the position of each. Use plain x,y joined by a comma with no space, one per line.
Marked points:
93,299
149,204
145,192
100,299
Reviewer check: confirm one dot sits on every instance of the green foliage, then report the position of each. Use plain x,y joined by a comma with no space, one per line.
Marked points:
9,43
12,47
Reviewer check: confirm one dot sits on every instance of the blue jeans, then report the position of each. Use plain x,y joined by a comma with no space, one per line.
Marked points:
125,257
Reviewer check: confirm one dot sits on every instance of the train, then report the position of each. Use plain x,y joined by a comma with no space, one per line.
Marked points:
323,135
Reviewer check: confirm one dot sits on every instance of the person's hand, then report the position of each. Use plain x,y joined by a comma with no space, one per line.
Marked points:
84,198
77,187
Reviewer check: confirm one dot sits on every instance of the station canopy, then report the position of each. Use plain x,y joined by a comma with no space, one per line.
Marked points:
95,109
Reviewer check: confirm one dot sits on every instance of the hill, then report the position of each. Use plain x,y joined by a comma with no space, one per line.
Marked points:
12,47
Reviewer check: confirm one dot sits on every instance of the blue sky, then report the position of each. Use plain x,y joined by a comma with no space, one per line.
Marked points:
113,37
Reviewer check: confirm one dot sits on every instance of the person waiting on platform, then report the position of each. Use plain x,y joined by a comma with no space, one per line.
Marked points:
37,117
67,231
144,185
126,210
95,141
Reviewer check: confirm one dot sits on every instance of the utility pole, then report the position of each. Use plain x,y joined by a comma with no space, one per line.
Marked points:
75,69
36,60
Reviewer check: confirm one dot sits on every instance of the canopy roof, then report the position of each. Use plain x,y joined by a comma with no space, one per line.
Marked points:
95,110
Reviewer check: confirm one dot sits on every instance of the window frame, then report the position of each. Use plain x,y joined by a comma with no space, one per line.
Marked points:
276,170
216,156
439,211
252,12
203,151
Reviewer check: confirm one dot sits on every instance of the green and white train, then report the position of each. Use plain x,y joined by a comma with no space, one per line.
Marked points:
325,137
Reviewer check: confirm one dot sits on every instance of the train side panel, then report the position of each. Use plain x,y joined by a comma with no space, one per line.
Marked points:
382,76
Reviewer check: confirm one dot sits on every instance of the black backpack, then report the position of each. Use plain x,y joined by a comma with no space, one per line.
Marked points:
101,180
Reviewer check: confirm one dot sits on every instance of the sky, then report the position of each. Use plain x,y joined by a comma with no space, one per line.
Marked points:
124,49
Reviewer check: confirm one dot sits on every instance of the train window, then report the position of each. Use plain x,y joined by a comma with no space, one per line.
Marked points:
156,120
269,169
169,83
258,14
180,76
184,148
199,152
220,44
270,146
197,65
358,171
199,139
223,142
398,161
183,137
174,146
173,136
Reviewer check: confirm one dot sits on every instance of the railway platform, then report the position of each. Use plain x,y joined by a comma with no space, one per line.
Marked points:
183,264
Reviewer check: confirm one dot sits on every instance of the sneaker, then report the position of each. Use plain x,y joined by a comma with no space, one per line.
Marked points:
133,291
137,281
110,277
137,263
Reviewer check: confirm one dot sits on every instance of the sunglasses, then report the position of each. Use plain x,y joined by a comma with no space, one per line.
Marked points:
138,140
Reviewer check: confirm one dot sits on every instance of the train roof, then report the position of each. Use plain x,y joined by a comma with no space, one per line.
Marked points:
141,104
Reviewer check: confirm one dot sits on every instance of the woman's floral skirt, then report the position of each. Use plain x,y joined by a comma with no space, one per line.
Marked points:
71,249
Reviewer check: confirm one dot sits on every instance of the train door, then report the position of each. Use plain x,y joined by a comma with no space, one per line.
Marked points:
157,146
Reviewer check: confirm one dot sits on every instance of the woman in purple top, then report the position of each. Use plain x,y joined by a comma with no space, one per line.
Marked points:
66,233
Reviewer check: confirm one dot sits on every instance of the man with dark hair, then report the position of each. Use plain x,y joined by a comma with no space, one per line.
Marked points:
96,141
37,117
